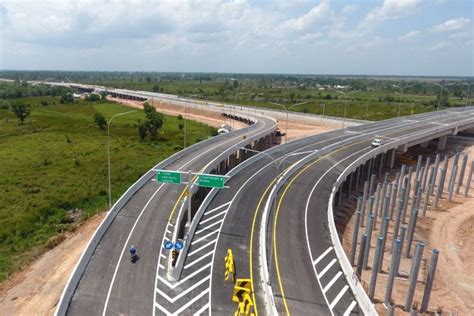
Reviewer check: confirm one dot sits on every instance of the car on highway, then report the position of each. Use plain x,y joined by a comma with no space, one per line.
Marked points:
377,142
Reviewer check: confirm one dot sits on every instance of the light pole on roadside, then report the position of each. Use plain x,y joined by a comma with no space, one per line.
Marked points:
109,122
401,95
287,109
468,91
441,86
345,104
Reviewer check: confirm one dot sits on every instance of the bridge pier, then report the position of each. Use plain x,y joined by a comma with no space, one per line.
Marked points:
442,142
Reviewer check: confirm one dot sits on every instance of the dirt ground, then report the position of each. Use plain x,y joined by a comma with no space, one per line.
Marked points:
36,290
449,228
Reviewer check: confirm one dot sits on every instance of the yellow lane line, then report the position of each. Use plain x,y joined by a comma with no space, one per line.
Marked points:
278,210
251,242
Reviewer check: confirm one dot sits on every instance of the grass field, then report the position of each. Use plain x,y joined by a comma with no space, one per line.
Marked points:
57,162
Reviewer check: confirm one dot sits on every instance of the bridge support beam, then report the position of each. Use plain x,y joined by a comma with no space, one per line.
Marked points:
442,142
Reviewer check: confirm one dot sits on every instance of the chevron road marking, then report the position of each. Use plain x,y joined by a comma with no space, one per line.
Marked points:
350,308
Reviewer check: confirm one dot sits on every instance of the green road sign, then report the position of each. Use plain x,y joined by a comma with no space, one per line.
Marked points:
211,181
168,176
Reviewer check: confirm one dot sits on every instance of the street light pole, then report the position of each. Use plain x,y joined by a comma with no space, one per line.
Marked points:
287,109
401,95
345,105
441,92
109,122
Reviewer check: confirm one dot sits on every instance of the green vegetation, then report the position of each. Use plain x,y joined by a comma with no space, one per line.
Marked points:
379,97
54,168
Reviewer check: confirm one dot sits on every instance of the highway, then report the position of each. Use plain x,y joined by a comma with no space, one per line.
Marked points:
305,277
112,284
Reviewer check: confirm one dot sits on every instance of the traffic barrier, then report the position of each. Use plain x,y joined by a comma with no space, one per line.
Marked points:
243,296
229,273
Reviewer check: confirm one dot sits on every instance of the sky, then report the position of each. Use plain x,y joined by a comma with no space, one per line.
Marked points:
366,37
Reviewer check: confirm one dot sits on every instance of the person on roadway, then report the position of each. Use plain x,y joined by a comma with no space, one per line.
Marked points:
133,251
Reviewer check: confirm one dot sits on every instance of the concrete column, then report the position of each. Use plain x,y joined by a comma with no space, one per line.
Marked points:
403,232
355,233
461,173
369,169
411,231
401,179
392,158
469,178
425,204
383,234
349,187
405,201
390,309
371,185
360,261
357,178
380,198
375,268
396,226
364,200
429,280
382,156
445,167
451,183
369,230
425,173
418,197
415,268
439,191
431,180
340,195
377,203
436,170
385,206
396,255
418,166
393,199
442,142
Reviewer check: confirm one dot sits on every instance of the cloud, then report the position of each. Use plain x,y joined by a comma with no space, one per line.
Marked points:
409,36
440,46
462,35
350,8
316,14
452,25
390,10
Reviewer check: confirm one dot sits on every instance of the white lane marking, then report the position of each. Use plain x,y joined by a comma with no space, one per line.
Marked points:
217,208
350,308
184,292
189,265
172,286
124,249
328,286
206,229
212,217
162,256
201,248
162,266
204,237
191,302
158,277
169,232
338,297
323,272
315,262
199,312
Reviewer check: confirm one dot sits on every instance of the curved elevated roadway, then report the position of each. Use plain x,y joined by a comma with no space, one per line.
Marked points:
111,284
305,277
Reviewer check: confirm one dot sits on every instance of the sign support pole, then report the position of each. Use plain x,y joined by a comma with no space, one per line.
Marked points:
190,179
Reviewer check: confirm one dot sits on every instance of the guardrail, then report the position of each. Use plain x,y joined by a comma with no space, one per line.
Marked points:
81,266
356,287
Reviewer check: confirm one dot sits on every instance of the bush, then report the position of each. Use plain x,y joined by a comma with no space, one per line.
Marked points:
100,120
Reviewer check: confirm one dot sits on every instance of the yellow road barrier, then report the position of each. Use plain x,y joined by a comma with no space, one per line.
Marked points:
229,274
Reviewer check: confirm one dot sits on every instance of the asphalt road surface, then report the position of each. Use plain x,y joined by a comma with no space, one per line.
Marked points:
112,284
304,275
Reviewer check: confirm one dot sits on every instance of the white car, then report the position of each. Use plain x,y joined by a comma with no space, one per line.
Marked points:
377,142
